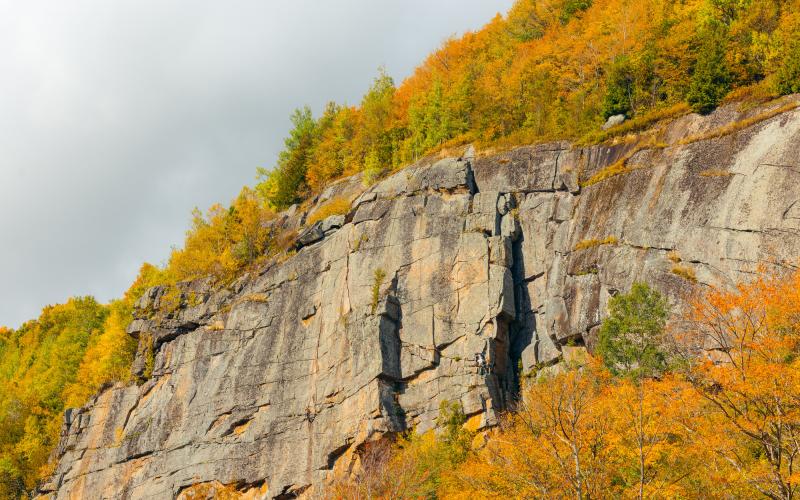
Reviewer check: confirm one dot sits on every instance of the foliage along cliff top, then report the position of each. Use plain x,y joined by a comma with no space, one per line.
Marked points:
549,69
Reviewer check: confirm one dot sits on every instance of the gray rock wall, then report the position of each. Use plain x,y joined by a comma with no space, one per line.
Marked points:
274,383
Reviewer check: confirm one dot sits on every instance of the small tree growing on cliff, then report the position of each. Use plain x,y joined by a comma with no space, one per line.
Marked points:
455,437
631,338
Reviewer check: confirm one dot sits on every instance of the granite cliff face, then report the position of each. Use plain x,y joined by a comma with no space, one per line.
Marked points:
276,382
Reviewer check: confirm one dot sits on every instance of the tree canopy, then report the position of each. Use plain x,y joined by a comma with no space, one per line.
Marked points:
549,69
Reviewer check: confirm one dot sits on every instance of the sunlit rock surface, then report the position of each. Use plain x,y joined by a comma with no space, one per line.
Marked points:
271,385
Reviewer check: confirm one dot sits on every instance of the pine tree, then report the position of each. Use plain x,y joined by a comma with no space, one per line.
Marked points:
711,79
619,94
630,340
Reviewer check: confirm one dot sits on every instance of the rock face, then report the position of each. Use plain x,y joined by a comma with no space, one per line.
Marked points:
273,384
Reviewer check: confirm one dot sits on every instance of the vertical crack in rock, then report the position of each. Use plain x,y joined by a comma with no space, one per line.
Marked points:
523,326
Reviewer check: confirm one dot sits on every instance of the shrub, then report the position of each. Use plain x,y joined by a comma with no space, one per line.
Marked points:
149,357
684,272
620,166
734,127
715,172
378,278
335,206
591,243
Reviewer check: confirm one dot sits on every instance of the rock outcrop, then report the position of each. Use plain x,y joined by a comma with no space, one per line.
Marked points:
273,384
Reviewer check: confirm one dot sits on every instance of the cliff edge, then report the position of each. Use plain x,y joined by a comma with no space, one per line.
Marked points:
446,281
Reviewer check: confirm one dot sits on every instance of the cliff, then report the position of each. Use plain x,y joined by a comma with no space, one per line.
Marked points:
273,384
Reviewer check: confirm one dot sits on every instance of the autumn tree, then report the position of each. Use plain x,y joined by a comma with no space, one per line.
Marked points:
785,55
39,361
751,381
334,154
223,241
412,467
557,444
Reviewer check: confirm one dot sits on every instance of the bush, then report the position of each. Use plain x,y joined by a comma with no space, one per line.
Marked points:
377,281
338,205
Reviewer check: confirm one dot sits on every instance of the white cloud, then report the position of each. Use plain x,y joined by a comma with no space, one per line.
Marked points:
117,118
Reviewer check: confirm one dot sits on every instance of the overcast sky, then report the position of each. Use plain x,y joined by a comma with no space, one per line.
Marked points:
118,117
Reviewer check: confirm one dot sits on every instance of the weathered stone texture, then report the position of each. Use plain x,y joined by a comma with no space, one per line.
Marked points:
274,383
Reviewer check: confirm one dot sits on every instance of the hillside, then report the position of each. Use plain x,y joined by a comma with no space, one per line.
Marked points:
477,207
277,383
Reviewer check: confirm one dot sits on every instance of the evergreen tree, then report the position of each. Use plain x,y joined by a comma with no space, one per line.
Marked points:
572,7
711,79
619,94
630,340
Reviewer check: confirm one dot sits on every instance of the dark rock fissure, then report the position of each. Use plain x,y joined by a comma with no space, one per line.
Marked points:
523,327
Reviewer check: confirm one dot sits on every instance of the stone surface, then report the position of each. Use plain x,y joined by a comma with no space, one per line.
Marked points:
276,382
613,121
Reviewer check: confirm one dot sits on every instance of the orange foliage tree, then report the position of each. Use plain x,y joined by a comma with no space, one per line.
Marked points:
723,423
751,382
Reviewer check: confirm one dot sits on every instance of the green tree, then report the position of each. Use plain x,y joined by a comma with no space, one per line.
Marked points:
573,7
456,439
376,134
631,338
620,87
429,120
286,183
711,78
333,155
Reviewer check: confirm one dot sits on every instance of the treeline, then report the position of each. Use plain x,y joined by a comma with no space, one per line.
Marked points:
549,69
56,362
708,409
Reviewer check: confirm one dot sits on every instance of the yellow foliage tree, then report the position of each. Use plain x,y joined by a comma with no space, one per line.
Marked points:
224,241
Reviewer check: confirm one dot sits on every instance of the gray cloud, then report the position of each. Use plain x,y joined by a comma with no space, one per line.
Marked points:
117,118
